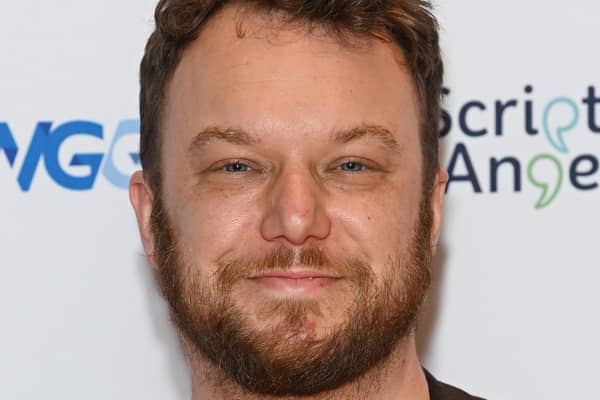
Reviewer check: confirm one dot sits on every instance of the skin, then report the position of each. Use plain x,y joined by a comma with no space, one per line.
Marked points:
291,91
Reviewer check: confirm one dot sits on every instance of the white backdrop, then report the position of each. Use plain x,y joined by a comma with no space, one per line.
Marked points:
513,311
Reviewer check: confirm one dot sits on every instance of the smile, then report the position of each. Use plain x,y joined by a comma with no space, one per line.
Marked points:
295,282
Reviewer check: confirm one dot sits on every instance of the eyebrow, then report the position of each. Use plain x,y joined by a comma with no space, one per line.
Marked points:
240,137
382,134
229,135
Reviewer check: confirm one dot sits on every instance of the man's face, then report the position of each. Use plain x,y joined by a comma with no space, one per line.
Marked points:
291,228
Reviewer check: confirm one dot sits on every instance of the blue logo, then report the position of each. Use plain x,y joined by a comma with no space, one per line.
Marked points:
46,143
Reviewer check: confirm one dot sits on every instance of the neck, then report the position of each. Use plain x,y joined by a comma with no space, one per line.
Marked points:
400,376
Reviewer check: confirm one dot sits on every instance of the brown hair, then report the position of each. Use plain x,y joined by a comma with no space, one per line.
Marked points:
408,23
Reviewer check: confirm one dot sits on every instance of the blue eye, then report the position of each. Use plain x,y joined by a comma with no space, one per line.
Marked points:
352,166
236,167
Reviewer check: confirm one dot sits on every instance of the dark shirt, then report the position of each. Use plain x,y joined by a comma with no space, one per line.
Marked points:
441,391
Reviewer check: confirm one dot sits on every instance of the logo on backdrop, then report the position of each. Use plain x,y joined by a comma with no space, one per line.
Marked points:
562,120
47,141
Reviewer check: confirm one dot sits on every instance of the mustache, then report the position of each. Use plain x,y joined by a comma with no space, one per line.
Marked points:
353,268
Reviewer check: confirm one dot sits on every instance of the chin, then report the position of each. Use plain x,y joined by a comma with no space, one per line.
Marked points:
293,318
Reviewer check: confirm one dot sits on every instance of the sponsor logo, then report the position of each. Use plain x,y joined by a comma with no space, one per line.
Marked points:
558,122
46,144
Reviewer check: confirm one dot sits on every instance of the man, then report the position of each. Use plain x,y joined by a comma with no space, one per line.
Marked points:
291,198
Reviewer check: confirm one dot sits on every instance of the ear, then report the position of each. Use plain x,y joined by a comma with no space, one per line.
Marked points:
437,205
141,199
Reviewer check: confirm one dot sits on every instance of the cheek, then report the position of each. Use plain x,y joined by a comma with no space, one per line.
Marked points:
379,226
210,227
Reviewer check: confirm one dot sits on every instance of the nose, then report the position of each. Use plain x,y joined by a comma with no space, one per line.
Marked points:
295,212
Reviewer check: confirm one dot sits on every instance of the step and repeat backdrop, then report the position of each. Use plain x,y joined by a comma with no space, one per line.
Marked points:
513,313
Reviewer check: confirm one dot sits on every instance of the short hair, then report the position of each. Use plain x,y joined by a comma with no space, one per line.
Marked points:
409,24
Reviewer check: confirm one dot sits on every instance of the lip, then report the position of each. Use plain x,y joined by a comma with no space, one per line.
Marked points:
295,274
295,282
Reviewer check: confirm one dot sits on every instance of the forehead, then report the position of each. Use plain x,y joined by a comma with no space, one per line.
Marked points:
276,79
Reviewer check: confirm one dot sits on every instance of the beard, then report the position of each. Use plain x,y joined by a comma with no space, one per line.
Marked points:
286,357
